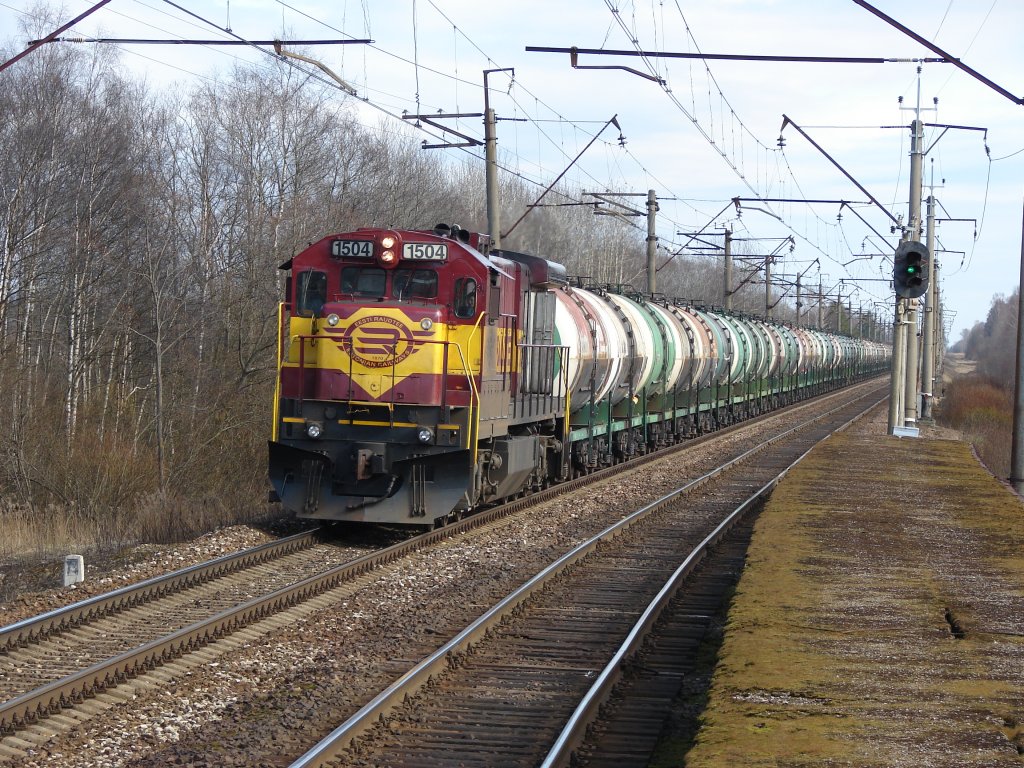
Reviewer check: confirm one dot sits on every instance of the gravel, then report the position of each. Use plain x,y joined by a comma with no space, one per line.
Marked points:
266,702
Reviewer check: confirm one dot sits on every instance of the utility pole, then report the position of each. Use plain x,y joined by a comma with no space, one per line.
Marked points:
768,286
652,239
727,286
799,276
491,157
899,335
903,387
820,300
839,308
1017,443
930,316
913,233
938,325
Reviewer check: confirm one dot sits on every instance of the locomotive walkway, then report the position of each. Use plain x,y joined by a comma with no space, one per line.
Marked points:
880,618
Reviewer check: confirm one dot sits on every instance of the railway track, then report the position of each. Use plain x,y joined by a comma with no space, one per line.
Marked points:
60,657
656,705
521,685
44,646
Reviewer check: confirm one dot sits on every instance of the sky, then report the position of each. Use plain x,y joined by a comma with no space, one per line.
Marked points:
707,133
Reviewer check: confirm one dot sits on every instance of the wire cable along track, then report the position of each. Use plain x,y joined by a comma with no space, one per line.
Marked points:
58,660
520,685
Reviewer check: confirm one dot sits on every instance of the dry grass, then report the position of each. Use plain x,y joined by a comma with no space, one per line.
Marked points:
35,534
32,533
838,648
983,411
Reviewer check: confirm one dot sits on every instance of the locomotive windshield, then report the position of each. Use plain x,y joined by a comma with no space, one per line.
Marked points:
371,283
363,281
414,284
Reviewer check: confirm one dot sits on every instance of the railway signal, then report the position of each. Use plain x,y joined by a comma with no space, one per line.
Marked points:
910,269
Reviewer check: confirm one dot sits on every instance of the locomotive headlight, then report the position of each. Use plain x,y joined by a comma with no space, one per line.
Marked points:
389,248
425,435
314,430
426,323
333,319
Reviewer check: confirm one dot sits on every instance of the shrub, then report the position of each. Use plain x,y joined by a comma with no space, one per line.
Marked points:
983,411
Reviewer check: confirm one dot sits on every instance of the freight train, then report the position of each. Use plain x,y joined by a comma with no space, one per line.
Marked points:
423,373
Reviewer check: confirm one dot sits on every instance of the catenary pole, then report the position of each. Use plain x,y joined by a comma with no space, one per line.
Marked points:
652,239
821,298
930,316
898,361
491,158
727,285
1017,446
913,233
798,303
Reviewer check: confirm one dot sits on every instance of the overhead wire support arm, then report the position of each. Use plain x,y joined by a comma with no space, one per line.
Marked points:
841,203
946,128
694,236
36,44
574,62
280,51
935,49
865,221
603,197
575,51
786,121
613,121
162,41
431,120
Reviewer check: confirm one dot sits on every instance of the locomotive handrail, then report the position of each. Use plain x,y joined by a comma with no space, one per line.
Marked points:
474,414
275,429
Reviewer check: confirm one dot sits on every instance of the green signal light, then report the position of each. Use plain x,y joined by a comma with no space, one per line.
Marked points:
911,270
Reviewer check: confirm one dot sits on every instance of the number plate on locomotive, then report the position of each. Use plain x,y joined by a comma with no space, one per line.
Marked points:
359,249
425,251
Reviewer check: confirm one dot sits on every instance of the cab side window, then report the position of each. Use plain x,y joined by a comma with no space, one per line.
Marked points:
465,297
311,293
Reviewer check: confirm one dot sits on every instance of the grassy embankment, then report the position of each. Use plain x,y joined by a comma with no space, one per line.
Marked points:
979,408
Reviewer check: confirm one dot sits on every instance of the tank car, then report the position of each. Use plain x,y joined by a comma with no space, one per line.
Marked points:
422,374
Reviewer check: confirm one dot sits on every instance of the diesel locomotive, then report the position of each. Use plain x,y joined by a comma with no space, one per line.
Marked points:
423,373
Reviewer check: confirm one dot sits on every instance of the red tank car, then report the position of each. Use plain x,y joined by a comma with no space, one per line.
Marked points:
417,377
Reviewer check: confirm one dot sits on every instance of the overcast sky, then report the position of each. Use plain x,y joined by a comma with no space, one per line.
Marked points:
699,141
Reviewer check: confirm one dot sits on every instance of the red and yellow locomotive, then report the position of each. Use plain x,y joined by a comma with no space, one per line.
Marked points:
416,377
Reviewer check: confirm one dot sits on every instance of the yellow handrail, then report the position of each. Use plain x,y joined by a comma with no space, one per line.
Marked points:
280,365
474,418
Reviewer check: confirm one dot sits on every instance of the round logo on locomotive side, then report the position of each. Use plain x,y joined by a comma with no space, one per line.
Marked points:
377,341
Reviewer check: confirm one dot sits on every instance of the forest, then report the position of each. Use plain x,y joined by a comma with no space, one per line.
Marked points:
141,234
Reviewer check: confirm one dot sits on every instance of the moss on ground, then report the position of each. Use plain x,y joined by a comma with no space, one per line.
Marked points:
878,621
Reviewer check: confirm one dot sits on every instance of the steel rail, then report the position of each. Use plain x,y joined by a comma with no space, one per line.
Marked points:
33,629
51,698
587,711
417,677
